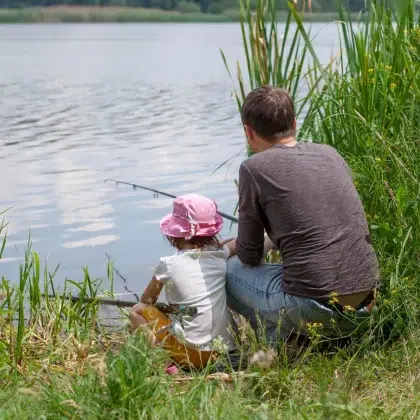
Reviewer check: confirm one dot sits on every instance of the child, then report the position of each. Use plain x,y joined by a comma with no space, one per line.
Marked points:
193,277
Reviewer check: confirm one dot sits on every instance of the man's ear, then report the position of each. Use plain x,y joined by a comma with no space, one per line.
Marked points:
249,132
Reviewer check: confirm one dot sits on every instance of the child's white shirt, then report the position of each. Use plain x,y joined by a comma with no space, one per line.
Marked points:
197,278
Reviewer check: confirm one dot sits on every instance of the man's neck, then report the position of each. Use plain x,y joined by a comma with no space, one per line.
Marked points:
288,141
265,144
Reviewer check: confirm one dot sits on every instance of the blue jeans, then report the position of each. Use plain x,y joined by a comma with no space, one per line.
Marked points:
256,293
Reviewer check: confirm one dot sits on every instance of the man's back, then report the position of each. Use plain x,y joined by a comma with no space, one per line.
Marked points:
304,197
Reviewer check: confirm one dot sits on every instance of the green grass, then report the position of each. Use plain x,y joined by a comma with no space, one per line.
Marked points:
130,384
80,14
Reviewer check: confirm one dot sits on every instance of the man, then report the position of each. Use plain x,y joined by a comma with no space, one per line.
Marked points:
302,195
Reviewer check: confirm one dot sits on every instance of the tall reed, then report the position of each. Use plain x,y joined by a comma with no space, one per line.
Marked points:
29,314
369,109
271,57
366,104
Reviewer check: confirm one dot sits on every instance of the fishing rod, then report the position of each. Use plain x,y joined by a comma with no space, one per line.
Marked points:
102,301
163,307
157,193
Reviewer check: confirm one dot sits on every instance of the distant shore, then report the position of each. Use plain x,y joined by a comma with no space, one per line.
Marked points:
81,14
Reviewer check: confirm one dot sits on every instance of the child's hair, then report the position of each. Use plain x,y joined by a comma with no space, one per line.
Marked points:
195,241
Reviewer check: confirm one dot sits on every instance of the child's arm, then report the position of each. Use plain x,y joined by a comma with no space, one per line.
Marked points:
152,292
231,245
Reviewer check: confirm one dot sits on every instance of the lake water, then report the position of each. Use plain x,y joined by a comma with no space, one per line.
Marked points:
144,103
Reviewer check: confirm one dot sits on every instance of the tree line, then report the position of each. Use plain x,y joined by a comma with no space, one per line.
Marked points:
205,6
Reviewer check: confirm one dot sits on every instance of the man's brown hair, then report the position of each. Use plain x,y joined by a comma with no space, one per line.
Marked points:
270,112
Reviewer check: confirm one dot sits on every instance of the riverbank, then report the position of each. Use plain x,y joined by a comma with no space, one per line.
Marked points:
80,14
59,359
119,377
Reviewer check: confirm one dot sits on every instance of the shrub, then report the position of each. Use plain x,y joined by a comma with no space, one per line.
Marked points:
188,7
215,8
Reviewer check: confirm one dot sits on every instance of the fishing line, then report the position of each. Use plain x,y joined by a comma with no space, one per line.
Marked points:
122,278
233,219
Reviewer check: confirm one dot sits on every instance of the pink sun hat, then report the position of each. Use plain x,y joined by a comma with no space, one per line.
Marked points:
193,215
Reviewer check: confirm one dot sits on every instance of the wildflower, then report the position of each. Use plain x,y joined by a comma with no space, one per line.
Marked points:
371,71
388,67
349,308
314,329
334,298
378,159
393,86
219,345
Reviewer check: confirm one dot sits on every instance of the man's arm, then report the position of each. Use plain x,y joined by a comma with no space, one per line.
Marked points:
250,240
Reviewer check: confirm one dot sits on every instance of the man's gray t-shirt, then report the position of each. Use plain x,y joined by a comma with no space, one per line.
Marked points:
305,199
